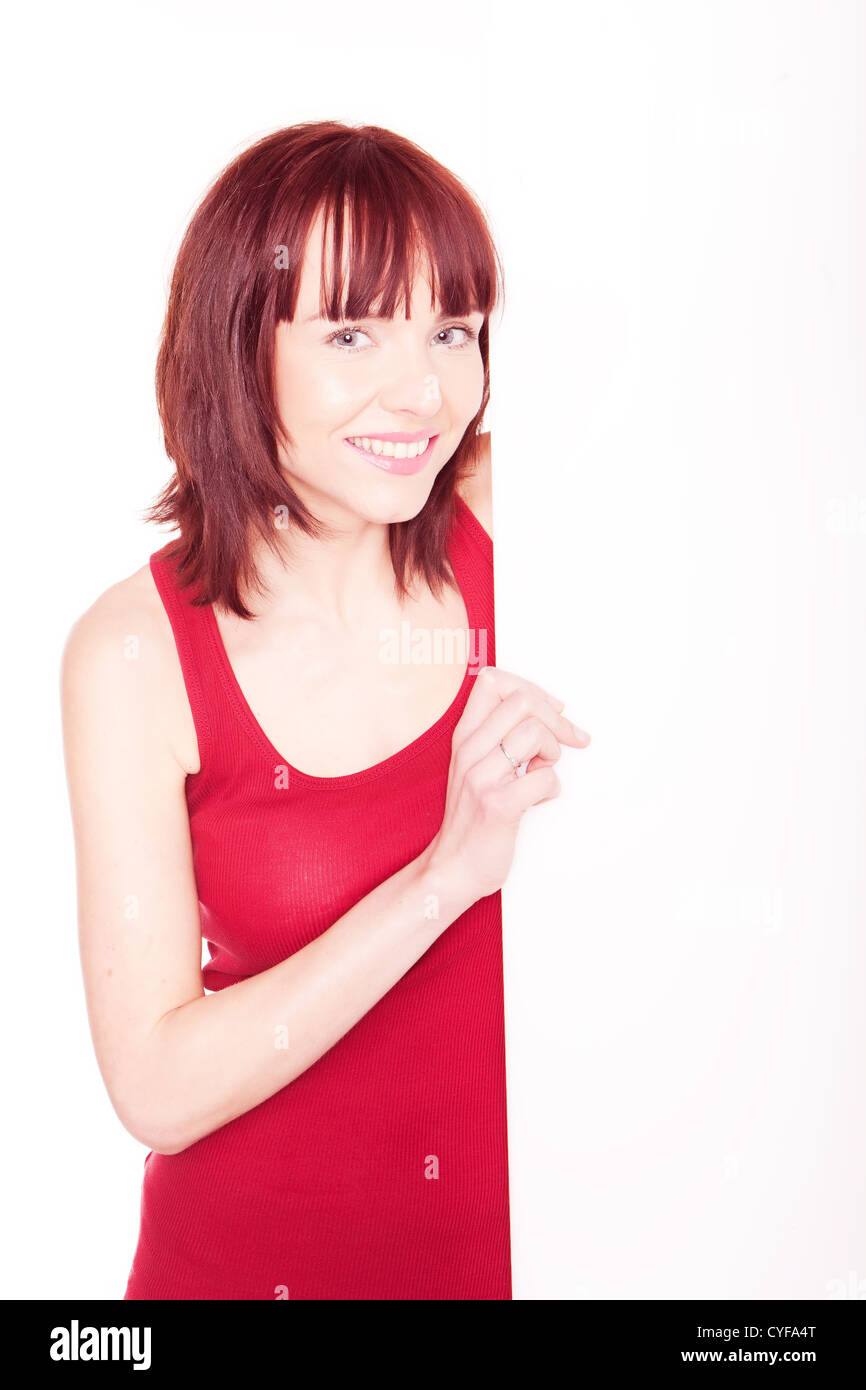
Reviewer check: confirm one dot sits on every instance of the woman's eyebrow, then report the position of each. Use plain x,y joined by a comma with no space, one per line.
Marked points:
380,318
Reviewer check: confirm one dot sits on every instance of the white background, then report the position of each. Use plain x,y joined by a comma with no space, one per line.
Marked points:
680,530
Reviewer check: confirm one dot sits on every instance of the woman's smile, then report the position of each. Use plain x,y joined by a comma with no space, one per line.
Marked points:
395,455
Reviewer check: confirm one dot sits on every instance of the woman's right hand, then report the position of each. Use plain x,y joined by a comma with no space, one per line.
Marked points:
485,800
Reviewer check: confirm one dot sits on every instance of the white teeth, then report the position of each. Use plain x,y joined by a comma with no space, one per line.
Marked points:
388,450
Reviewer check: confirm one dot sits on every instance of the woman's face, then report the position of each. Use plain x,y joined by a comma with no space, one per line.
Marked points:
367,379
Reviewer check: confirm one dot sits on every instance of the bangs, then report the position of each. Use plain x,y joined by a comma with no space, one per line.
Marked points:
384,224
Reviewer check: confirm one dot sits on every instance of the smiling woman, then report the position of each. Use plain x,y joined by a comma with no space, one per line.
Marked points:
284,305
324,1103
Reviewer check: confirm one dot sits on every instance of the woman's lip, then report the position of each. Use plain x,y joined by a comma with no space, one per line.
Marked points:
394,465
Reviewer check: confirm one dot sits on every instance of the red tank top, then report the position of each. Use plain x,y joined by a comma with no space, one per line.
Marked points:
381,1172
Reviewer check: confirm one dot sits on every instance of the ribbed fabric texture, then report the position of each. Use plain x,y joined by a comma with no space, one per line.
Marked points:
381,1172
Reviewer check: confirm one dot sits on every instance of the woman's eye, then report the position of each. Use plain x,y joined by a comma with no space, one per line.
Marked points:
469,335
339,338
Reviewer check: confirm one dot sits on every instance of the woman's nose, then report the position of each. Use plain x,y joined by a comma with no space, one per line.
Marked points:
416,392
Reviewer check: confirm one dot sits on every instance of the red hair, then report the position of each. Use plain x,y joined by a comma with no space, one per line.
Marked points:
237,275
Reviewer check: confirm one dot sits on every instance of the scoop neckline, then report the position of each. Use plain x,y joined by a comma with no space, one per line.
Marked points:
445,722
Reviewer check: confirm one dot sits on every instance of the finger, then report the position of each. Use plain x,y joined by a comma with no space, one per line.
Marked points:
528,739
516,796
492,686
507,716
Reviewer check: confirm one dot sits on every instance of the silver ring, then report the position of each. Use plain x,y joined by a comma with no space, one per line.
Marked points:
514,764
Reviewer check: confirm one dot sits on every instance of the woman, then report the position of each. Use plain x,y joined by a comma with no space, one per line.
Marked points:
287,735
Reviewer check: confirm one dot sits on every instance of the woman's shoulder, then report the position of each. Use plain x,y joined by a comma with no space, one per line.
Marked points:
477,489
126,632
127,609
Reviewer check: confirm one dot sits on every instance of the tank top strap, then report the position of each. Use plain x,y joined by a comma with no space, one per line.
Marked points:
470,530
471,552
189,624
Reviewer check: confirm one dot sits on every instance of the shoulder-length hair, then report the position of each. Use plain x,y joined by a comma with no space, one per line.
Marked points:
237,275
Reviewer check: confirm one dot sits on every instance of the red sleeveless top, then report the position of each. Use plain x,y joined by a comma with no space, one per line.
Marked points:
329,1188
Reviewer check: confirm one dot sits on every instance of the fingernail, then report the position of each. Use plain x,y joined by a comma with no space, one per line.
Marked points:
580,733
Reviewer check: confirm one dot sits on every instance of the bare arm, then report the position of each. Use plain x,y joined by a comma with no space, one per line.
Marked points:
178,1063
231,1050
